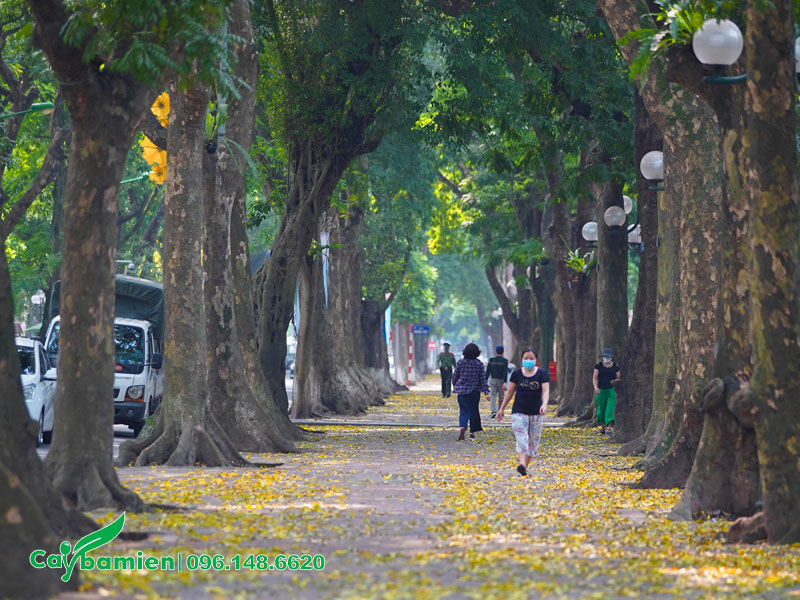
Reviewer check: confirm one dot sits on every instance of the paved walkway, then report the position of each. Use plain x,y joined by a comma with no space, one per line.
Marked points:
409,512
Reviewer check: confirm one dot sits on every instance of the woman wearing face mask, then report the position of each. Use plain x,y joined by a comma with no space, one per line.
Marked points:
606,374
530,387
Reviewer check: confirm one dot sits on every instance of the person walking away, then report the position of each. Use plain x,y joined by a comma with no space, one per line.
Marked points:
469,381
606,375
530,387
497,376
446,362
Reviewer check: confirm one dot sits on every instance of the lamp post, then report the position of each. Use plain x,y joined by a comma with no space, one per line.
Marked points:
42,107
718,44
38,301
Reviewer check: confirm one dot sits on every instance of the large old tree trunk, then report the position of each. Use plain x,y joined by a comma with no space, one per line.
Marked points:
612,275
376,353
697,249
315,174
731,364
253,423
185,431
771,188
635,399
80,459
580,301
333,377
33,511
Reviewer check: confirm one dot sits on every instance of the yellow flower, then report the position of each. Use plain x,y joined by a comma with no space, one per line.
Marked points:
159,173
152,153
160,108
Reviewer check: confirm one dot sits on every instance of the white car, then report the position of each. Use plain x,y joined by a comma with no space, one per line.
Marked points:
38,386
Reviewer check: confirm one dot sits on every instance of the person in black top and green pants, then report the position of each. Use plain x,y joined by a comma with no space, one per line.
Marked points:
497,376
606,375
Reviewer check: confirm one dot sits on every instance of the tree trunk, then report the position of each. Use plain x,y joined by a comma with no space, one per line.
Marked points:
772,191
315,174
581,302
253,424
612,275
635,400
185,431
376,354
337,381
700,186
80,458
33,511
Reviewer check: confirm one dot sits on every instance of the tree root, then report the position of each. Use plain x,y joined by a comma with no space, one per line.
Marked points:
182,442
635,447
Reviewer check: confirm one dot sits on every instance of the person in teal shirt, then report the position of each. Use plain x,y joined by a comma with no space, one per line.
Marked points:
446,362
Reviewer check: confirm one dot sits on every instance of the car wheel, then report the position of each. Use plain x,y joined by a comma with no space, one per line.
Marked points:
40,432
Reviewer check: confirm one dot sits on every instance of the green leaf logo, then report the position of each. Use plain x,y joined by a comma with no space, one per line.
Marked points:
98,538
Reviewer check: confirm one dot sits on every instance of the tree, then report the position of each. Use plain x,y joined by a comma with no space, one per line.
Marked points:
90,46
336,68
34,511
772,191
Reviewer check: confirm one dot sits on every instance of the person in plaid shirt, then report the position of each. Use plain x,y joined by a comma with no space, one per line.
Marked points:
469,380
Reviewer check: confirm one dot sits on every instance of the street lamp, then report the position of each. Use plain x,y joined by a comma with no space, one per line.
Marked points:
652,167
718,44
42,107
589,231
627,203
614,217
38,300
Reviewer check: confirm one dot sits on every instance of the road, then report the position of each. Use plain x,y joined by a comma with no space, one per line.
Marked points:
123,432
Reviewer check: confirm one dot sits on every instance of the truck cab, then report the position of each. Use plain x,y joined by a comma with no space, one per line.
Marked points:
138,326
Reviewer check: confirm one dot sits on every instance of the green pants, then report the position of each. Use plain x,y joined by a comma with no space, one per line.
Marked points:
606,402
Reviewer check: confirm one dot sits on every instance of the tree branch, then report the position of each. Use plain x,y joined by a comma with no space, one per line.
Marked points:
154,130
509,314
453,187
55,153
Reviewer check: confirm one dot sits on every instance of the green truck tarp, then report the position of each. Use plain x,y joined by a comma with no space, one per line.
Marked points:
135,299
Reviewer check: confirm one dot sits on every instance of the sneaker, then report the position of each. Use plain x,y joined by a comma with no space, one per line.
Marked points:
472,436
521,470
610,431
602,431
493,415
461,434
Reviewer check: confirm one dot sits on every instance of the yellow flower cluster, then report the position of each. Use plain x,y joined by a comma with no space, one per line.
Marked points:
155,156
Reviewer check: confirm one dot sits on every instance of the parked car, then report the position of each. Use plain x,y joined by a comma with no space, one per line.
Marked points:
38,386
138,331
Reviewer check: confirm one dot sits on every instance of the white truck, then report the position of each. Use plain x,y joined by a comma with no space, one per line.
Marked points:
138,334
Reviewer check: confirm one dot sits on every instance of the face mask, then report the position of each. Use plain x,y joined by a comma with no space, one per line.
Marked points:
529,364
606,361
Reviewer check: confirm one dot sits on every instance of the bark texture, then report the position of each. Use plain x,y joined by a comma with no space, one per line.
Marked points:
698,236
80,457
253,422
772,191
33,512
635,392
612,275
332,375
185,430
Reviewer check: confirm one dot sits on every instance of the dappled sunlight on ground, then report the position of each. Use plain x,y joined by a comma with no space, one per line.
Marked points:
412,513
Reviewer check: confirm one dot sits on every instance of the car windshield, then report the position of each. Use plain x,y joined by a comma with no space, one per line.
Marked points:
27,361
130,348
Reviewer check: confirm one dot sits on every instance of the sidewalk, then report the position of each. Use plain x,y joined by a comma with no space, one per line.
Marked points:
420,406
412,513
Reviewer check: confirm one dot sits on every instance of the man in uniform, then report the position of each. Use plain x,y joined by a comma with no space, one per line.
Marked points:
446,363
497,375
